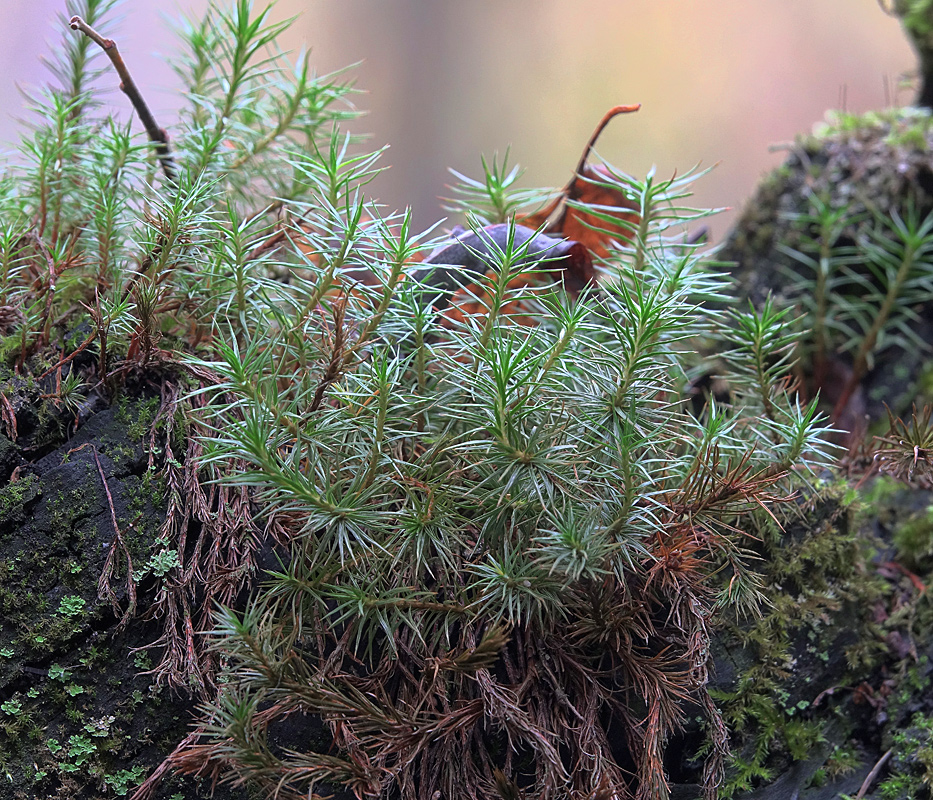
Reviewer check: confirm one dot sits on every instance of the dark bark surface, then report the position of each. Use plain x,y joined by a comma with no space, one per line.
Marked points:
80,718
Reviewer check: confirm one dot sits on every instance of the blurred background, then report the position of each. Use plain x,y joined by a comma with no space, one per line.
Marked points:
719,83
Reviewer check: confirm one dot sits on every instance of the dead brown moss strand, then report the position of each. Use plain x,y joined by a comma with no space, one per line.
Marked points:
104,588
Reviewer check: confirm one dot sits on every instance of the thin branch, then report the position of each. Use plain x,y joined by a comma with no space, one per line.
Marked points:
66,359
128,87
870,778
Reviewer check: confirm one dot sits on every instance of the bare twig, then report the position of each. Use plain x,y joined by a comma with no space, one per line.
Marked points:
266,245
67,359
277,238
870,778
128,87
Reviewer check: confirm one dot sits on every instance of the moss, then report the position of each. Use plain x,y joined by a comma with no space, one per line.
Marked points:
57,525
84,735
843,614
908,126
868,164
817,632
882,492
842,761
14,497
914,539
137,415
923,389
71,506
817,572
917,19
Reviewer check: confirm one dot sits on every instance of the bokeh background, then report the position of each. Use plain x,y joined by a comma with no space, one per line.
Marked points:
719,82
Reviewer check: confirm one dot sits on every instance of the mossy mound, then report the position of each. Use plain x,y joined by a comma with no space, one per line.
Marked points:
873,172
868,165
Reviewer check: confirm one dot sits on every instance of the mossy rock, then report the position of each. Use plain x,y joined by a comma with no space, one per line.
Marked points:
836,676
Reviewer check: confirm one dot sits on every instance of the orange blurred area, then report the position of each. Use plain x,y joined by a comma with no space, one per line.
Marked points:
444,82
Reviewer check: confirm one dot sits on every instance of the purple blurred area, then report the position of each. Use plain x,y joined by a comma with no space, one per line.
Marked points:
719,83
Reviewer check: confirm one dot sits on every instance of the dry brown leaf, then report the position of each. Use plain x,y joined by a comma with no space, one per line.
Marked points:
588,185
